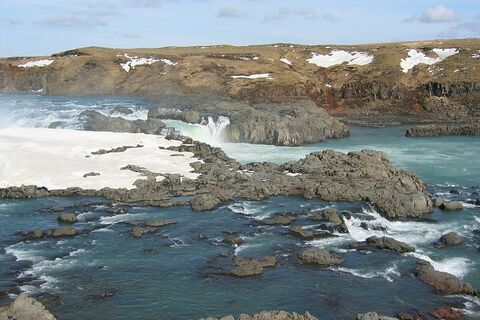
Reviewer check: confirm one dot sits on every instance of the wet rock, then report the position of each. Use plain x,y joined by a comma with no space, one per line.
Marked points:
454,191
302,233
437,202
449,239
233,239
107,294
320,257
148,250
329,214
67,218
477,202
202,236
115,211
269,315
443,283
62,232
451,206
446,313
139,232
391,244
25,308
244,267
279,218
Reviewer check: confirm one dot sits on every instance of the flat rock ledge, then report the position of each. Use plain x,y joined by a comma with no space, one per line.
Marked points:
268,315
433,130
444,283
25,308
329,175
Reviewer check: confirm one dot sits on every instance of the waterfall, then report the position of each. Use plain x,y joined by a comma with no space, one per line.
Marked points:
214,129
210,130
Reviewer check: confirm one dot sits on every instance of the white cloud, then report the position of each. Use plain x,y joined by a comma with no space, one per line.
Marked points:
285,13
469,28
230,11
437,14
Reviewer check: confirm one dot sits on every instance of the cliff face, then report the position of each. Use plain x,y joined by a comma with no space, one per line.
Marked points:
431,80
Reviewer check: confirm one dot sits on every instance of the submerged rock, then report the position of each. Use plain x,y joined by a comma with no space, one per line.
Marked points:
444,283
25,308
320,257
142,228
391,244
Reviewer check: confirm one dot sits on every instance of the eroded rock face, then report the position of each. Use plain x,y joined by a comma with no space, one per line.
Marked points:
472,129
320,257
25,308
289,124
443,283
269,315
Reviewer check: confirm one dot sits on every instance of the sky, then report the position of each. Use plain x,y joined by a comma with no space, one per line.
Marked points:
43,27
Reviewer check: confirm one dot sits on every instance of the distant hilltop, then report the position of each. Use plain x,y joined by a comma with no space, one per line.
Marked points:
438,79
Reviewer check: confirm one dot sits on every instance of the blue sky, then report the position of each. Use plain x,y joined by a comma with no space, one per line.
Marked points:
36,27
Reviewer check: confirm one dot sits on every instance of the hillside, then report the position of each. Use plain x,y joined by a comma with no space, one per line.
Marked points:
378,83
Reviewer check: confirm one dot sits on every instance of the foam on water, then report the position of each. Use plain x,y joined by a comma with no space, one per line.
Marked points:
388,273
210,130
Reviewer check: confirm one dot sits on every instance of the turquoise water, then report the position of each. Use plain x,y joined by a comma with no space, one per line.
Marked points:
173,275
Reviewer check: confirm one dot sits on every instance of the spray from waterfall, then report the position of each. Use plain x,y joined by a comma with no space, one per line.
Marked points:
210,130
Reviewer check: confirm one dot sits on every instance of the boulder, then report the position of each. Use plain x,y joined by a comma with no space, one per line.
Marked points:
391,244
298,231
449,239
451,206
244,267
444,283
67,218
279,218
320,257
329,214
140,231
25,308
233,239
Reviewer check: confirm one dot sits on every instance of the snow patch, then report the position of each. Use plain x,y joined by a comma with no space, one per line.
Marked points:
59,158
416,57
340,56
254,76
285,60
38,63
476,55
169,62
136,61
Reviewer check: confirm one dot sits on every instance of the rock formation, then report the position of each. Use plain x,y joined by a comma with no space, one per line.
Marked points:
25,308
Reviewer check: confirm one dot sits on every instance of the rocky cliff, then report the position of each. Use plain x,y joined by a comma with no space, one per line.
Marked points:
410,81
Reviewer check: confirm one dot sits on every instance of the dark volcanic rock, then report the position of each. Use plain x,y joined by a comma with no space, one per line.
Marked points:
444,283
298,231
444,130
328,175
320,257
391,244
